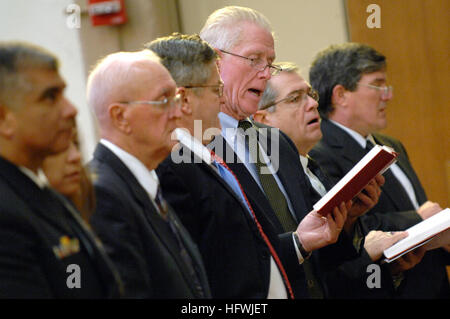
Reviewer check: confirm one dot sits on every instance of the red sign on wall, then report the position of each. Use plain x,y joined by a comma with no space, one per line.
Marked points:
107,12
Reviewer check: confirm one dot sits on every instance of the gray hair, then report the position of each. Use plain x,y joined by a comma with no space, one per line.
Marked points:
186,57
224,27
15,57
342,64
270,94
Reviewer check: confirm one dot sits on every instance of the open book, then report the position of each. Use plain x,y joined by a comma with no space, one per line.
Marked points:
375,162
434,232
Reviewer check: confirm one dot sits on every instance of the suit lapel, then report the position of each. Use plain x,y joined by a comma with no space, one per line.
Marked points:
348,149
158,224
34,197
254,194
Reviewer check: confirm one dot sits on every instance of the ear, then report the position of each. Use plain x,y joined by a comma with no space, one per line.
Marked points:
261,116
338,96
185,100
118,117
7,122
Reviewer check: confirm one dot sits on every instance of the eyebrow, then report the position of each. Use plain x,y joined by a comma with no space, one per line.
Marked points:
51,91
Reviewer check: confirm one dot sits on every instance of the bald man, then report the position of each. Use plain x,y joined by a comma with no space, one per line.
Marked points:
133,97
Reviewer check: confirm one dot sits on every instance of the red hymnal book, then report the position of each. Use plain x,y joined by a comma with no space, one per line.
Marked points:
375,162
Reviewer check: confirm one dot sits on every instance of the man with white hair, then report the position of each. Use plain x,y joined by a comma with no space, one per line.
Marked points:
273,181
134,99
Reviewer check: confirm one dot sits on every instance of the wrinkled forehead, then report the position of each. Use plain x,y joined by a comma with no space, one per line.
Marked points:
153,77
254,39
286,83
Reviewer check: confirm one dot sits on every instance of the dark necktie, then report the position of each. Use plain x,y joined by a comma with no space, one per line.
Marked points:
269,184
218,161
369,145
173,225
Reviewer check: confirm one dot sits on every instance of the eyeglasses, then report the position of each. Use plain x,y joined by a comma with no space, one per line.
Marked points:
301,97
219,88
166,103
258,64
386,91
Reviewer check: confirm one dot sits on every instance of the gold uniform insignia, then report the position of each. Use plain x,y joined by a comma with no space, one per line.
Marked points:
66,247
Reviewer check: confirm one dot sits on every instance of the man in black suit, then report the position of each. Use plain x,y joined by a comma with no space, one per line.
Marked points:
134,99
237,259
290,104
352,85
46,250
272,181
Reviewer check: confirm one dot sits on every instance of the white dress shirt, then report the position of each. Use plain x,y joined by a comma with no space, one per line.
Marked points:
395,169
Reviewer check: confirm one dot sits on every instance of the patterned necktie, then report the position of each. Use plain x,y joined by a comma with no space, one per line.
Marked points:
240,192
269,184
173,225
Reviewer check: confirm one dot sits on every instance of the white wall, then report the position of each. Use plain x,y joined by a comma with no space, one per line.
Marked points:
302,27
43,22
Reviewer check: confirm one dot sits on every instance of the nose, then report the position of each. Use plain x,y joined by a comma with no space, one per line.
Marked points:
74,155
265,73
313,103
69,111
175,109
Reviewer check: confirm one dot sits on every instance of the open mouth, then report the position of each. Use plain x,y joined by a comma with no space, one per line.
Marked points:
313,121
255,92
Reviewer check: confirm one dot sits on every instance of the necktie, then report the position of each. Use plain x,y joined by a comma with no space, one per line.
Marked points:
318,181
369,145
269,184
173,225
239,188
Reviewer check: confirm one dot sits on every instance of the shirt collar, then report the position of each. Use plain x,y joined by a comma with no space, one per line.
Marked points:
193,144
227,121
39,179
147,179
356,136
304,161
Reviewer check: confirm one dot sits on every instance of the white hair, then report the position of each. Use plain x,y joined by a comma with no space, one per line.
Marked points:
224,27
109,77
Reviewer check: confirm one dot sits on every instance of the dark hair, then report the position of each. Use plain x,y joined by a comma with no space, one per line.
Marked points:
14,58
185,56
342,64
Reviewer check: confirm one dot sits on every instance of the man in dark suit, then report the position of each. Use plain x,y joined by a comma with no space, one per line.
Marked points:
290,104
273,183
237,259
352,85
134,99
46,250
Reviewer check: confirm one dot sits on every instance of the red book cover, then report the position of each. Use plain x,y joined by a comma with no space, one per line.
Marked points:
373,163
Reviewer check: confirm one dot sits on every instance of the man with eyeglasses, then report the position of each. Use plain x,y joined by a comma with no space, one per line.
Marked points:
263,159
134,99
290,104
237,258
352,84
